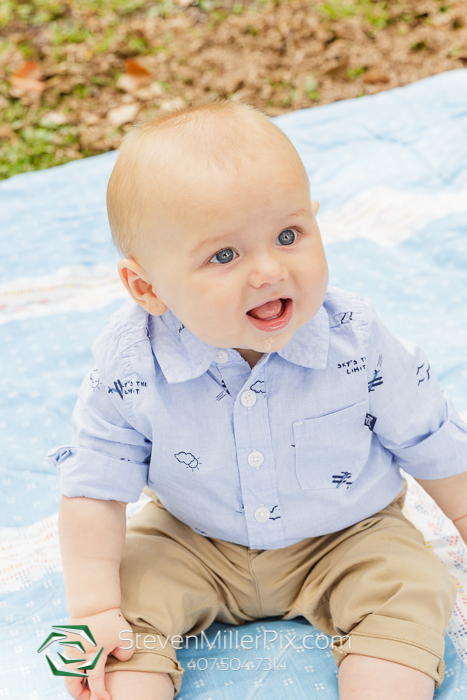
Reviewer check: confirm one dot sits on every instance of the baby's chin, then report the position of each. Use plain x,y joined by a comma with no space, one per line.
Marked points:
269,343
251,339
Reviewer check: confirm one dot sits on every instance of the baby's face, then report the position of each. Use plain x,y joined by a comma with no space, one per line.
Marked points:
239,258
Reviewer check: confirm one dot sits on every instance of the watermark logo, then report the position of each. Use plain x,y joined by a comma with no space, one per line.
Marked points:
61,636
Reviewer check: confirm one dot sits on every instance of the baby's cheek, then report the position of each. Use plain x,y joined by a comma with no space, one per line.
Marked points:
317,277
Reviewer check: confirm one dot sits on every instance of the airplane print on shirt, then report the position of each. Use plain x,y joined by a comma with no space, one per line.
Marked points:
341,318
341,478
274,513
224,391
346,317
420,373
376,380
128,387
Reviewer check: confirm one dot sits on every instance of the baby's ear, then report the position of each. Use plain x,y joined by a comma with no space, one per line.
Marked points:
315,206
139,286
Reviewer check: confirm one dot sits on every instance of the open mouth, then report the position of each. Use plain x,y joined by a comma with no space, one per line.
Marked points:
271,316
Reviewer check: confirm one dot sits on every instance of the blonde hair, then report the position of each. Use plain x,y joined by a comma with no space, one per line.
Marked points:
203,136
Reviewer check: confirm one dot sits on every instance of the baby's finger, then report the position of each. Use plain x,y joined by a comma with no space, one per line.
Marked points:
77,689
96,683
98,691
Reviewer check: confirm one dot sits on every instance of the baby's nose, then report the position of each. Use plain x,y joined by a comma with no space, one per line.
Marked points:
267,270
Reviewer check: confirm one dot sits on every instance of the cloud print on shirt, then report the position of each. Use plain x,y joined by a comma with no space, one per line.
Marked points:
257,388
188,459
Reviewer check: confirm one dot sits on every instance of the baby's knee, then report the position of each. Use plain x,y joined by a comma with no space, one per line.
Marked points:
139,685
370,677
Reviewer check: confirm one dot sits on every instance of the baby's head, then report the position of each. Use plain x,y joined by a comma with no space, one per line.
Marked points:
209,206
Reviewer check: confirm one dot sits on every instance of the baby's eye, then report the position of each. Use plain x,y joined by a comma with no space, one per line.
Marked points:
224,256
287,237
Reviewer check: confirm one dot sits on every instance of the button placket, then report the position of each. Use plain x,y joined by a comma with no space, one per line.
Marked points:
256,465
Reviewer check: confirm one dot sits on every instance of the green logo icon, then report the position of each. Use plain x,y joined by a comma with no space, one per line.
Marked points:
59,636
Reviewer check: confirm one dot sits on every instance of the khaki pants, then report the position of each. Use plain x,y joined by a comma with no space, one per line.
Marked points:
376,581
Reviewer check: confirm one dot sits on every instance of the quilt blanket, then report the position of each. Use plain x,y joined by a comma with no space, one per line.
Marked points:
390,172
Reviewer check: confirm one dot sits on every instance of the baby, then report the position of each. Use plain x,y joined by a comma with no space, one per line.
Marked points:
265,414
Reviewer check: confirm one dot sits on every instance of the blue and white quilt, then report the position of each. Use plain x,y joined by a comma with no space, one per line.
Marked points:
390,172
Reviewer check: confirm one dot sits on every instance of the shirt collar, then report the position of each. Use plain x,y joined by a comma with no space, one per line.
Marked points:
182,356
310,344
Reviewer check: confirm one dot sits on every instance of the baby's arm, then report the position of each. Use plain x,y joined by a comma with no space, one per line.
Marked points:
450,494
416,420
104,467
92,534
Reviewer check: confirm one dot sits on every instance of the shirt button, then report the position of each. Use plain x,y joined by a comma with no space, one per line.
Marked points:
248,398
221,356
255,459
262,514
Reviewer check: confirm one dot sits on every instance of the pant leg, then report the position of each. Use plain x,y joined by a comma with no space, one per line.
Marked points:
173,583
381,585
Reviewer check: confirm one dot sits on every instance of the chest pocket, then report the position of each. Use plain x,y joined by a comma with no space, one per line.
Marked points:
331,451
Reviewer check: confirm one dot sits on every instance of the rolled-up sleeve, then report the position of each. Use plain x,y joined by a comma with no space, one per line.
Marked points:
413,417
107,458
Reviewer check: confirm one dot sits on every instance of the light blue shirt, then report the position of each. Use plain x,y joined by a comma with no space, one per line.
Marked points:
306,443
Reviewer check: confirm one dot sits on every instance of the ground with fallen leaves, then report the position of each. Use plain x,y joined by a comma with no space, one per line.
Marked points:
77,73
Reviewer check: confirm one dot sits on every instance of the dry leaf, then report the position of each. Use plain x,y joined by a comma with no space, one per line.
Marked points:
89,118
6,132
68,153
123,114
135,77
53,81
149,92
26,78
374,76
339,72
54,119
18,37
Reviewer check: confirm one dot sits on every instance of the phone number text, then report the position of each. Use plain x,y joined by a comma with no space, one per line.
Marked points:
213,663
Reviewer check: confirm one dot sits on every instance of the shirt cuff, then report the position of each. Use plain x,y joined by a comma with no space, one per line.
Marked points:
441,454
84,472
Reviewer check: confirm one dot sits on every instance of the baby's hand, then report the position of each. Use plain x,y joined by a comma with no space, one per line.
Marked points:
105,627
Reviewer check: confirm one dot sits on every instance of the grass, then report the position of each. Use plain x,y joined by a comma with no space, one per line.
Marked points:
34,151
69,33
375,13
310,89
39,146
38,12
353,73
83,43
